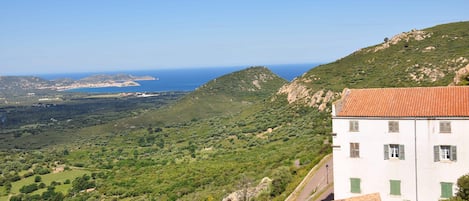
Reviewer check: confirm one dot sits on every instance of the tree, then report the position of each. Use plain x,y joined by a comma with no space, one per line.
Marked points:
82,183
50,194
29,188
280,179
37,179
463,189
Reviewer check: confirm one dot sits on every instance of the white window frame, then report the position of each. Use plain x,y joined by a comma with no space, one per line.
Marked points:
394,151
445,152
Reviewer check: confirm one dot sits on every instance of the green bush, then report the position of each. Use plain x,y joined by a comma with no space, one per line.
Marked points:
37,179
29,188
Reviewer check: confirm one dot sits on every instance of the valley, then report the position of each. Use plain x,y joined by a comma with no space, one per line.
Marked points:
226,136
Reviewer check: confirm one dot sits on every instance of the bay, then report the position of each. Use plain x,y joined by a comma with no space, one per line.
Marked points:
187,79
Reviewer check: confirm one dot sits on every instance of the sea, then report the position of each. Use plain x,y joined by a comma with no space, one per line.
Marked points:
181,79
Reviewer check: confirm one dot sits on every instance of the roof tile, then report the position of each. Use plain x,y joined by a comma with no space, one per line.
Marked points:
405,102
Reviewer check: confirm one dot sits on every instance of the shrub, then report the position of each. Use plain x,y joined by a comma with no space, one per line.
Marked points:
41,170
37,179
29,188
28,174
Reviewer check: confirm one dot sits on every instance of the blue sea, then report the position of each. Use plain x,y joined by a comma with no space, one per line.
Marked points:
187,79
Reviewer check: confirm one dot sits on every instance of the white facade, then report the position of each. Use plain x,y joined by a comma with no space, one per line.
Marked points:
413,170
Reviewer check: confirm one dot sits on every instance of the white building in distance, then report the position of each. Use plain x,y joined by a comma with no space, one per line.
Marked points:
404,143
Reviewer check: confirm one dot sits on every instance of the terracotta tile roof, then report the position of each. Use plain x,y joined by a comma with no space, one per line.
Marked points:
367,197
404,102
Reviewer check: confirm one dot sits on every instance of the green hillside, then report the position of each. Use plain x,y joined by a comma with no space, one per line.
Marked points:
239,128
428,57
228,94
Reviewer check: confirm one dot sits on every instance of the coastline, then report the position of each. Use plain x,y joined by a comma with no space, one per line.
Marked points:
99,82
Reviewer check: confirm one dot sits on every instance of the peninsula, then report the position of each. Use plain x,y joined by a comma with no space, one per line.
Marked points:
98,81
17,85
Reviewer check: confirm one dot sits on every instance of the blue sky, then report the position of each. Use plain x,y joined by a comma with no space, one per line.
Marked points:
109,35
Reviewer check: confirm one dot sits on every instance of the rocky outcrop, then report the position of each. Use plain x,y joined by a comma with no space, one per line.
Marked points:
301,94
249,193
461,74
405,36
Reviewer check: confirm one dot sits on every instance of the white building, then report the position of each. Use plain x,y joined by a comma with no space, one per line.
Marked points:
404,143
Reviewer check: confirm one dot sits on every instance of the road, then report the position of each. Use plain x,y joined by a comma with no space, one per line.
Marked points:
317,185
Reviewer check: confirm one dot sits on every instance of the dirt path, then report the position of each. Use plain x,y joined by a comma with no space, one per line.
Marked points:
317,185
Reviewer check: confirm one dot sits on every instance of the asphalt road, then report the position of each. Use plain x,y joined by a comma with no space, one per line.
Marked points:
320,183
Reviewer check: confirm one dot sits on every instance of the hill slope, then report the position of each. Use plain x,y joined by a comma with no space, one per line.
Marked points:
21,85
429,57
224,136
228,94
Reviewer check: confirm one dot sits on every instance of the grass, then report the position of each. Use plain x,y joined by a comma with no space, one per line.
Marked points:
48,178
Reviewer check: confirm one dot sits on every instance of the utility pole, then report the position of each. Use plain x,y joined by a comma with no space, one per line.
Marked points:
327,173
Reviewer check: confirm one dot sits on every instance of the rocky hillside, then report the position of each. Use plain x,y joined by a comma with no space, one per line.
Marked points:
436,56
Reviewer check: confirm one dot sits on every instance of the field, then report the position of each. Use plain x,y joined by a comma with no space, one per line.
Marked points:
47,179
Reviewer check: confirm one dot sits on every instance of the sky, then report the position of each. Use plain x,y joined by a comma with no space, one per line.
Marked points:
114,35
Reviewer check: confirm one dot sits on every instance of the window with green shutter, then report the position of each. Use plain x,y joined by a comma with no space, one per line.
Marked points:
355,185
446,189
395,187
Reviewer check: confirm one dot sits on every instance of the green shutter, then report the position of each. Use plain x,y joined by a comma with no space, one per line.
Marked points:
453,153
395,187
355,185
401,152
386,152
436,153
446,190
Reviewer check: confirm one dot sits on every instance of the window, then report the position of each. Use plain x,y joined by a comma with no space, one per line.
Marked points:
394,151
354,150
444,153
393,126
445,127
446,189
395,186
355,185
353,126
